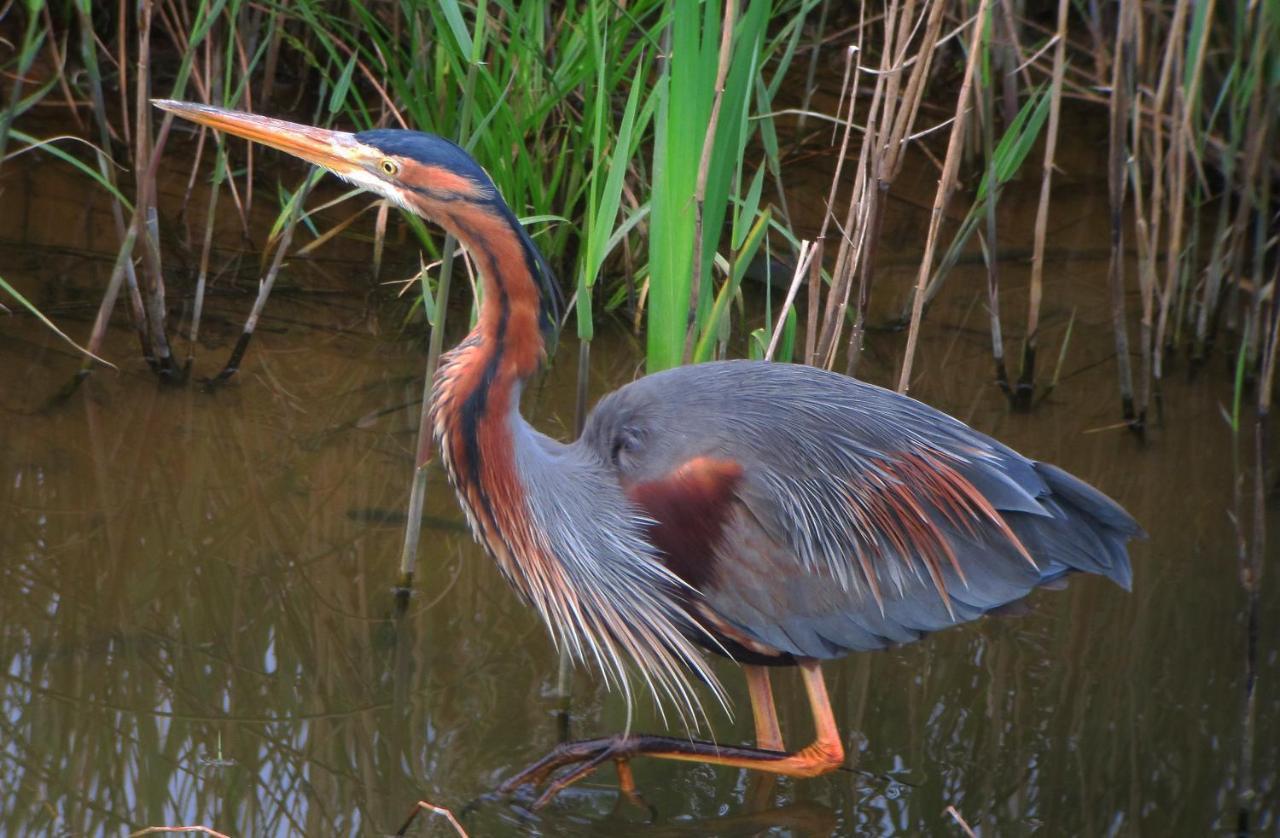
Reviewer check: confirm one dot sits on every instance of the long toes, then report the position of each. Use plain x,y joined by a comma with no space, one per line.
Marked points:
572,776
564,754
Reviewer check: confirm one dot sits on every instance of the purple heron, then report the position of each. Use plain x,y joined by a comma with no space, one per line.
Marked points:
773,513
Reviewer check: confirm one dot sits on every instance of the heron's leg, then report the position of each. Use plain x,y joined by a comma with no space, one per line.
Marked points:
760,789
825,754
768,734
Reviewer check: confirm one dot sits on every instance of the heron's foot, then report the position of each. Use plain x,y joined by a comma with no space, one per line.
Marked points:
571,761
579,759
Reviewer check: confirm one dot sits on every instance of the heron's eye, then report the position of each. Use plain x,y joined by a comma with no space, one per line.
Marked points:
389,168
625,444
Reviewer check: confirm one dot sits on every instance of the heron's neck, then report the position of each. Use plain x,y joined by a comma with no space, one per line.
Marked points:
475,402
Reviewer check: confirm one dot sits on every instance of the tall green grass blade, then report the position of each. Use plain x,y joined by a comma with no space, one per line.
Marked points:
25,303
48,146
339,97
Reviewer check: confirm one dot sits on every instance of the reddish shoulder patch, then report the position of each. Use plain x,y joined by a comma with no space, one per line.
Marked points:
690,506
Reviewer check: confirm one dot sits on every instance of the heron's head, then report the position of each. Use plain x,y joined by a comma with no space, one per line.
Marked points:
423,173
419,171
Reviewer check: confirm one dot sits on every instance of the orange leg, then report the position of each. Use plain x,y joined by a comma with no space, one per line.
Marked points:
825,754
768,734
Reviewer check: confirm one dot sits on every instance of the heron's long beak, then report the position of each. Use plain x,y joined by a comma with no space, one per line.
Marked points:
337,151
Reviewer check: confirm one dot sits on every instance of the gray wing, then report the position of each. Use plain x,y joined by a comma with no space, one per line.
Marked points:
847,517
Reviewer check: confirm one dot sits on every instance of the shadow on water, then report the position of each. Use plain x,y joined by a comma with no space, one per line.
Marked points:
198,622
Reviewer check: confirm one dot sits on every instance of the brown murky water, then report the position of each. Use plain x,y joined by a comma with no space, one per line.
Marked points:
196,586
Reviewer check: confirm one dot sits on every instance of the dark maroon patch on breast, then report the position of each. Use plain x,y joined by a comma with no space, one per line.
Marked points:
690,507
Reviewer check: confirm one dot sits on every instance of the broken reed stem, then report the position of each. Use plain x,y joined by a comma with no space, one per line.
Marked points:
422,458
423,806
1027,376
269,280
946,186
806,258
1117,161
152,830
704,168
960,821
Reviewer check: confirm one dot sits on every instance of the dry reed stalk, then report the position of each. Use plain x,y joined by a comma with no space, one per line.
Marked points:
1152,351
145,152
704,168
1027,376
1146,257
122,65
1173,255
272,59
1117,159
946,186
821,351
1194,138
815,285
59,59
871,216
851,238
897,115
